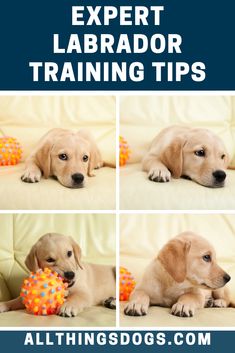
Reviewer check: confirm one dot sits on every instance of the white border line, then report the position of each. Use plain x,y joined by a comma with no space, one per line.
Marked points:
111,328
117,93
117,213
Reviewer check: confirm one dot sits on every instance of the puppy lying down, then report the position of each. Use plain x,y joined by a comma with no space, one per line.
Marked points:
184,277
68,156
196,154
88,284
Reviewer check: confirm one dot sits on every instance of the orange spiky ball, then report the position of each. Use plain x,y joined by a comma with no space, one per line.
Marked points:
126,284
10,151
124,151
43,292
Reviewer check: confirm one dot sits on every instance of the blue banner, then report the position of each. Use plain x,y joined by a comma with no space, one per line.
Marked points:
100,341
118,45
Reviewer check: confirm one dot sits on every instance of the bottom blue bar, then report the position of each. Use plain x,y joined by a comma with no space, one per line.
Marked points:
114,341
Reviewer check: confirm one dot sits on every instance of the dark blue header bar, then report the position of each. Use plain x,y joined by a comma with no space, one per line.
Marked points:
118,45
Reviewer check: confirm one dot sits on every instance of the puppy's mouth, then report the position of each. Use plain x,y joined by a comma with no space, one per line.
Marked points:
186,177
205,286
212,287
77,186
218,185
69,282
73,186
212,185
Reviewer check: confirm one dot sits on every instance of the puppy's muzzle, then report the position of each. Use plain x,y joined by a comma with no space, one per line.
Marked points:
78,179
69,278
219,177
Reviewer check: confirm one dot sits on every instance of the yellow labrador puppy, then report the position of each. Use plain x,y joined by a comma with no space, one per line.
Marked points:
183,277
69,156
88,284
196,154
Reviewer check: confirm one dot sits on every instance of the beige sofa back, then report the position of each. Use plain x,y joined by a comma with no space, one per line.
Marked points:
143,117
28,118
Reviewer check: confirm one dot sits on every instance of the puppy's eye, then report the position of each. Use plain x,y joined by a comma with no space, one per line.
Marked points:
50,260
223,156
63,156
207,258
85,158
69,253
200,153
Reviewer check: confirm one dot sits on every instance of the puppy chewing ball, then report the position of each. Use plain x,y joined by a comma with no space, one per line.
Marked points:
43,292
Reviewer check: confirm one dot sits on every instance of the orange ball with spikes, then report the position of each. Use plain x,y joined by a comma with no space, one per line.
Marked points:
10,151
43,292
126,284
124,151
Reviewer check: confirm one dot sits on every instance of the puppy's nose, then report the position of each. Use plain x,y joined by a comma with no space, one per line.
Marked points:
226,278
69,275
78,178
219,175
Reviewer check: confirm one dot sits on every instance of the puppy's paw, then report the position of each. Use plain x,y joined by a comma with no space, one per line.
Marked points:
4,308
182,310
110,303
220,303
209,303
69,310
136,309
160,175
31,175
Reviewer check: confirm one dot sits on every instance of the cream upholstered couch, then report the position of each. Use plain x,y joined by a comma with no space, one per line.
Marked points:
142,118
95,233
28,118
143,235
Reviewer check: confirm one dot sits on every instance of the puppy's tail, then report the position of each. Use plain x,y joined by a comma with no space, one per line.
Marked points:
110,165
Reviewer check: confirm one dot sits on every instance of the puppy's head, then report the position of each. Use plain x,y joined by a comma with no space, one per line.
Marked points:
70,157
189,257
57,252
200,155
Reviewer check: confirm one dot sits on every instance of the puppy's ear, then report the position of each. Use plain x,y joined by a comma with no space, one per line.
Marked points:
226,161
31,260
173,257
77,252
172,157
95,160
43,158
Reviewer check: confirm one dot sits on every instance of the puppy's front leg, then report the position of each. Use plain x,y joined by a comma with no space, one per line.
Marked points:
138,303
221,298
187,304
32,173
156,170
75,304
15,304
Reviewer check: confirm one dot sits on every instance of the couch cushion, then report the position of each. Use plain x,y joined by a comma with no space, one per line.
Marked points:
139,193
96,316
49,194
161,317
